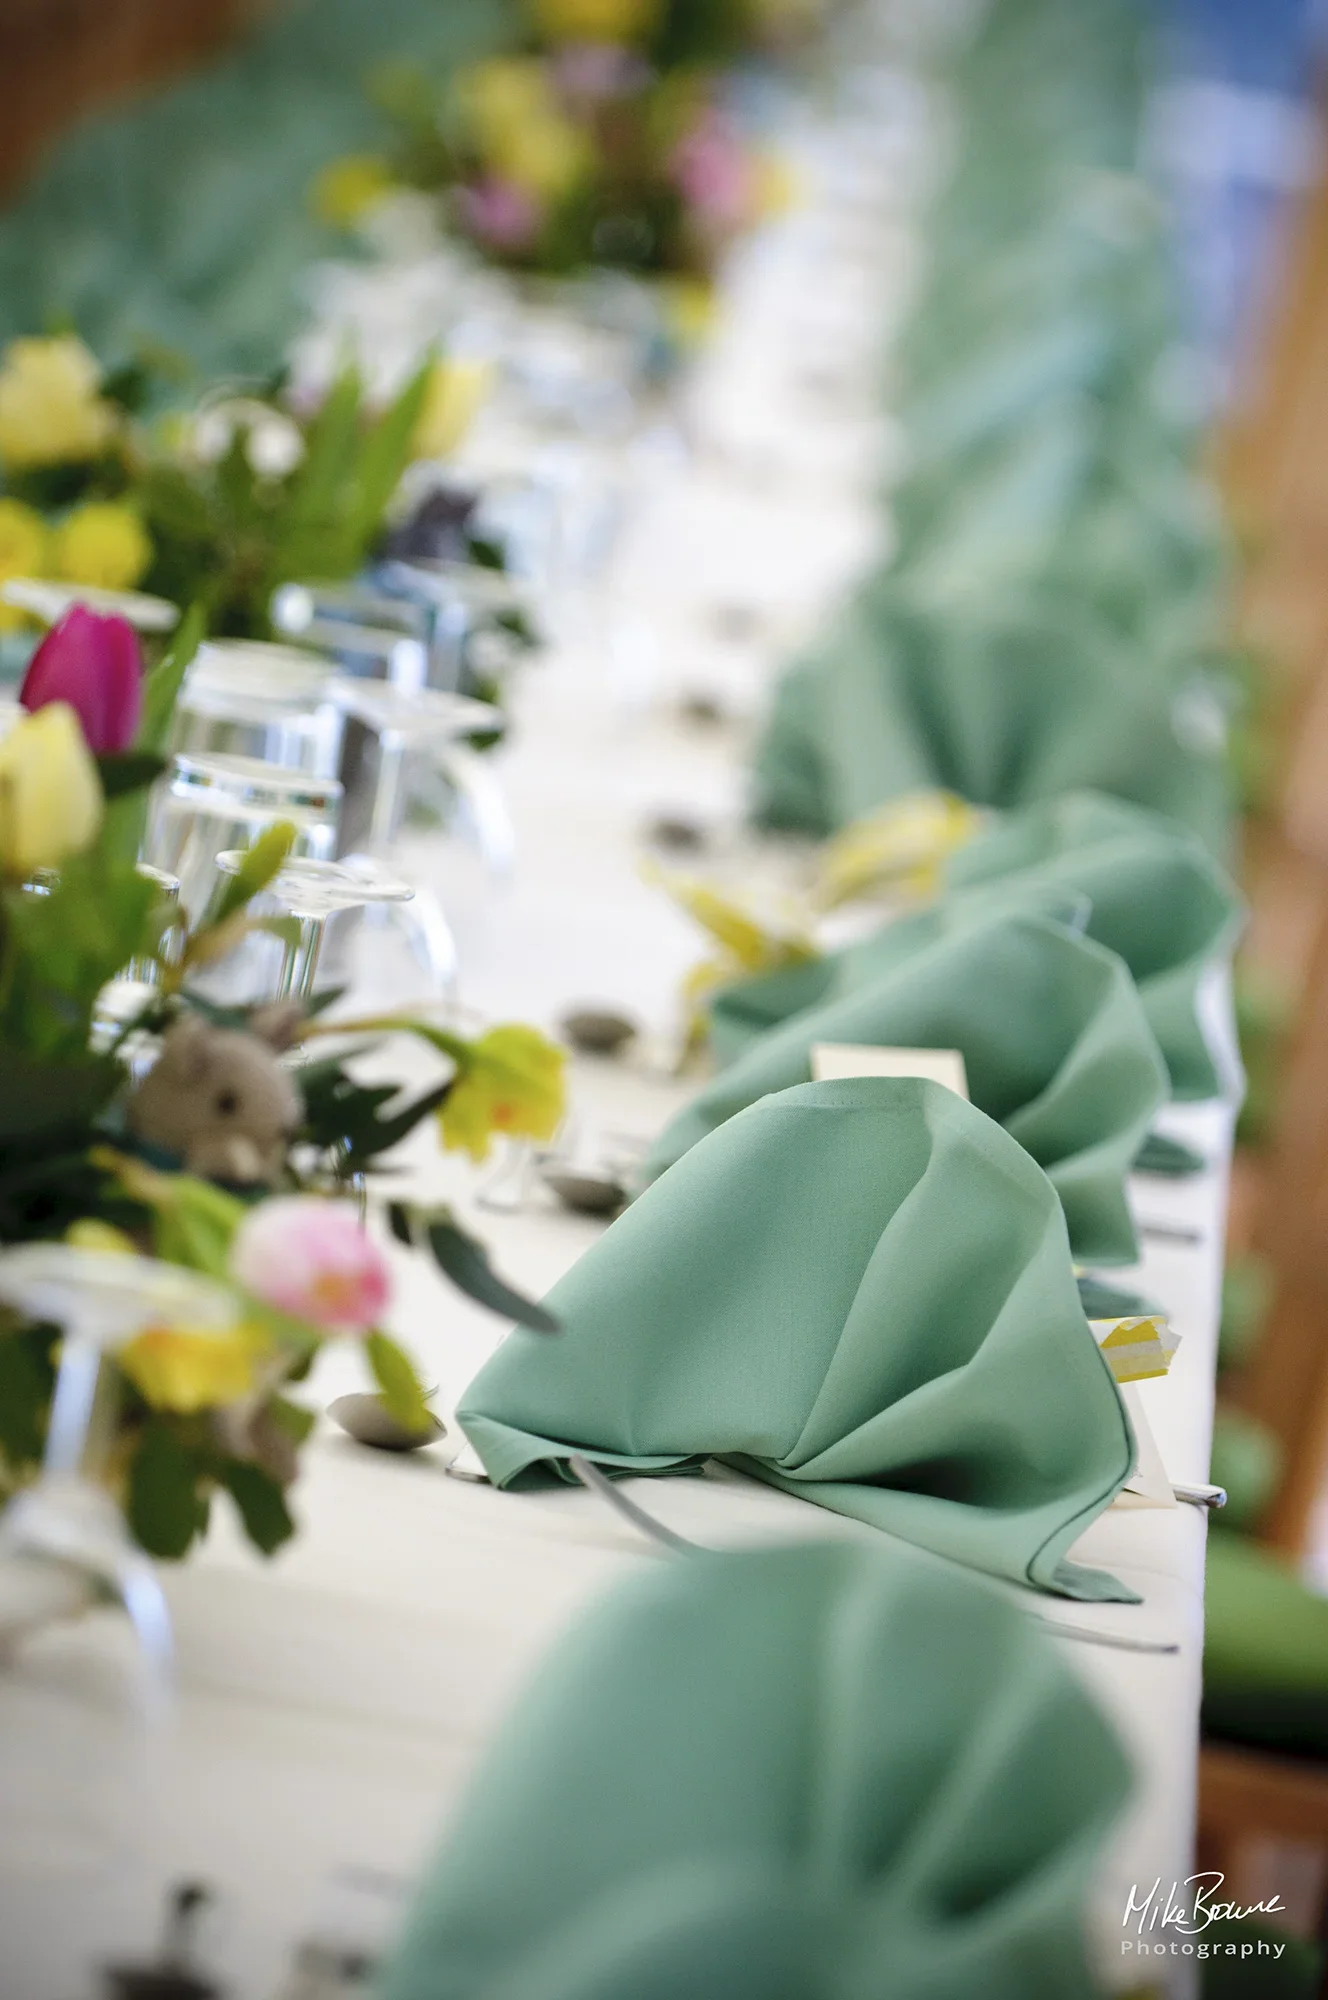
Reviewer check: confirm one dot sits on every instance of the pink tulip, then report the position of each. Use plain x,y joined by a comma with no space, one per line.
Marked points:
310,1258
95,665
499,214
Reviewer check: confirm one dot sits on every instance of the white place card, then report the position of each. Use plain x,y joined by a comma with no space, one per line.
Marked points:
1148,1485
832,1060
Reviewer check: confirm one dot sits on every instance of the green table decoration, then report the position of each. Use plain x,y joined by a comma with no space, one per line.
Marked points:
1053,1037
859,1291
1138,884
1154,895
809,1773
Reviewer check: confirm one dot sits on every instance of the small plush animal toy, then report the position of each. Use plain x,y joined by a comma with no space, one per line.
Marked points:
219,1099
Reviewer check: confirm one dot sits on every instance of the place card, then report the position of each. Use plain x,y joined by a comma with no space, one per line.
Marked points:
1148,1485
1139,1350
833,1060
1136,1350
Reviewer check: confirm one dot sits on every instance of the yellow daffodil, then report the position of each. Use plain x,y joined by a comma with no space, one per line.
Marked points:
747,946
50,409
455,392
594,20
349,187
50,795
24,551
902,847
174,1368
510,1085
102,543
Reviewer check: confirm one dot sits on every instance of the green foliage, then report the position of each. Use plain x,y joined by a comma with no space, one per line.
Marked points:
260,1502
398,1384
226,536
162,687
27,1376
464,1259
166,1497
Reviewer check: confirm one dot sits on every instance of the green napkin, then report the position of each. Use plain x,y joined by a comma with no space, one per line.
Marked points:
1156,897
1142,886
809,1773
1054,1040
1002,708
859,1291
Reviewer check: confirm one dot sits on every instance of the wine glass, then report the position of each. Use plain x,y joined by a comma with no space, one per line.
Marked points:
49,601
313,892
66,1520
250,698
210,803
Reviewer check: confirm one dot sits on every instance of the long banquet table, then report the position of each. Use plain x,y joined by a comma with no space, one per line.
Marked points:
332,1703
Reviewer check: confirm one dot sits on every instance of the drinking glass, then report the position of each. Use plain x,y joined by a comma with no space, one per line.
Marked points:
209,804
50,601
99,1299
249,698
314,892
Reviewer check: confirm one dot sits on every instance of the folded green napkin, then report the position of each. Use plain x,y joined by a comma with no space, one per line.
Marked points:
1141,885
1155,896
1006,702
859,1291
809,1773
1054,1041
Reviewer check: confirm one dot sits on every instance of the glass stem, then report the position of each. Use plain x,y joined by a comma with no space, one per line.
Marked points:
387,792
72,1405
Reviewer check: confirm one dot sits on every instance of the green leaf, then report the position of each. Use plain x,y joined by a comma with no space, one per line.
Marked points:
162,687
260,1502
131,771
384,456
261,865
166,1501
398,1384
43,1098
466,1261
291,1419
27,1376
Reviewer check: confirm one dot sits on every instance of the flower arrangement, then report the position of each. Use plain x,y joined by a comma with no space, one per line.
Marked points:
209,1152
582,154
215,509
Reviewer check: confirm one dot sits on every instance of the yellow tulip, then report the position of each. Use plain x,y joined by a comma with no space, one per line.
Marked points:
349,187
545,158
50,795
595,20
510,1084
102,543
50,411
498,97
24,546
176,1369
455,392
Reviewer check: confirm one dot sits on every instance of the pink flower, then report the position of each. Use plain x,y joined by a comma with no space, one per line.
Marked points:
499,213
310,1258
95,665
711,171
597,72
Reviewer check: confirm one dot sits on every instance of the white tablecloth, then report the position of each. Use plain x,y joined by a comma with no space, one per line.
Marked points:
333,1702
